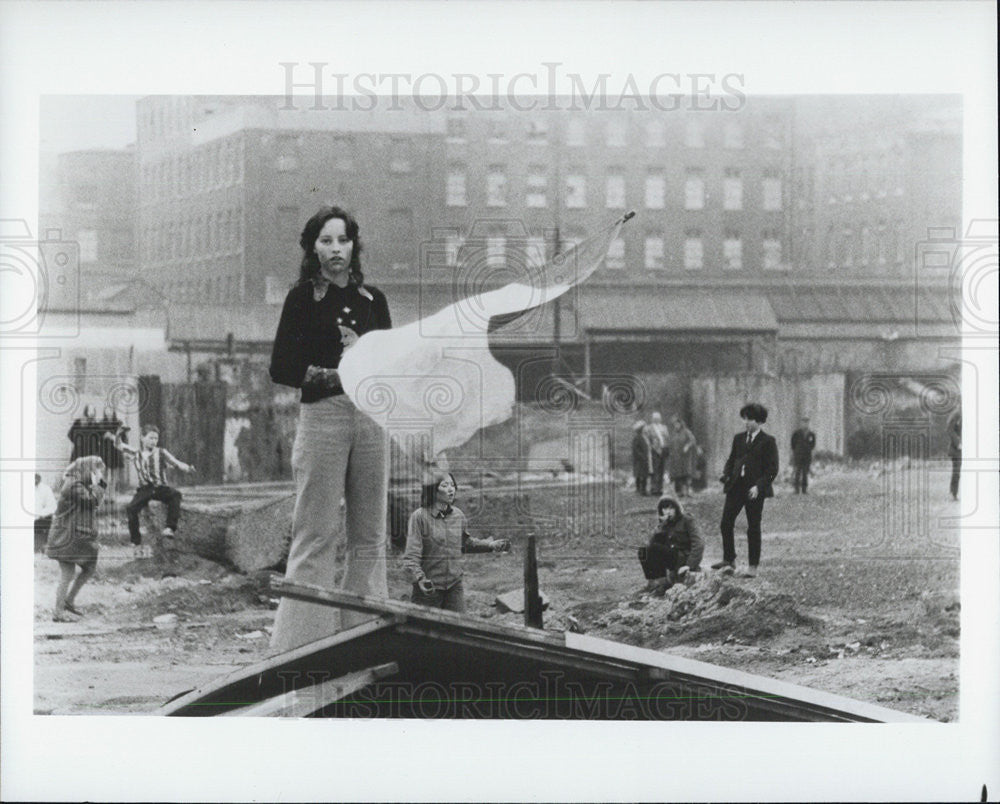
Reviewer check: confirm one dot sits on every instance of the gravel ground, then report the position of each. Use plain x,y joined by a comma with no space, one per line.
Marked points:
858,595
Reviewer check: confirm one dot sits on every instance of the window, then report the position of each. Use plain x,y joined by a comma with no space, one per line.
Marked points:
733,135
576,191
846,254
496,251
341,152
772,251
732,190
656,134
400,158
538,182
274,289
867,245
694,250
456,129
538,131
534,252
694,134
615,190
452,247
616,135
694,189
496,187
85,196
773,134
656,190
455,191
881,243
654,253
288,157
616,255
732,251
87,238
576,132
772,190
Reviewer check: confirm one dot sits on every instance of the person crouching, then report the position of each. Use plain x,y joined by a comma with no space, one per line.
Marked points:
675,548
435,540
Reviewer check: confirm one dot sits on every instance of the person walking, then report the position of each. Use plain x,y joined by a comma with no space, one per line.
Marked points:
803,444
72,538
640,457
657,436
747,481
339,453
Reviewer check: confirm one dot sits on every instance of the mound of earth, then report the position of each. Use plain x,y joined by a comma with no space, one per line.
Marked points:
714,609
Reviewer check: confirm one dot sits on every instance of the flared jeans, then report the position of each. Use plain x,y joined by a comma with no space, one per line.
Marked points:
339,453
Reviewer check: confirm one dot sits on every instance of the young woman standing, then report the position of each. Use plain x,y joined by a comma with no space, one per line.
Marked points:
339,453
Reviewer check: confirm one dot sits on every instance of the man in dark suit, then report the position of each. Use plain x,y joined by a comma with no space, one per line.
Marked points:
803,444
746,480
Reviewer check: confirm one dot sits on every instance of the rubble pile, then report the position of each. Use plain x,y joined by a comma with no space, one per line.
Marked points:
716,608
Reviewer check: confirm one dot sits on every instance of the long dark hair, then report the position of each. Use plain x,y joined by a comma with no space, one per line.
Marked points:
307,240
428,491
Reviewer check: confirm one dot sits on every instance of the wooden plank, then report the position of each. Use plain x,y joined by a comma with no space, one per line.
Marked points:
309,700
384,606
807,702
274,663
532,600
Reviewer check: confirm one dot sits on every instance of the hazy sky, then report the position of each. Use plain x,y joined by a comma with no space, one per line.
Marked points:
78,122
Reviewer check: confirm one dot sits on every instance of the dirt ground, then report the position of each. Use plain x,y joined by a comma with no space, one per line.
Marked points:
858,595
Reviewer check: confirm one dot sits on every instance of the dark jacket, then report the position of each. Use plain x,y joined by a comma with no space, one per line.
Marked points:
308,333
803,443
640,453
73,535
760,462
682,534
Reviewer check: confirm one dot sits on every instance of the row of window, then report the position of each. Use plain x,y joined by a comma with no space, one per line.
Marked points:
196,236
207,289
208,167
881,244
574,191
497,252
615,133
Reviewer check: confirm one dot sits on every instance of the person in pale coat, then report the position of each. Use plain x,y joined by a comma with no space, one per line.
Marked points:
657,436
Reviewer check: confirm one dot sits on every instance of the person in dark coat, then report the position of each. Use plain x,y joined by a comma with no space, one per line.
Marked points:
86,434
675,548
640,457
803,444
73,535
747,481
110,454
955,450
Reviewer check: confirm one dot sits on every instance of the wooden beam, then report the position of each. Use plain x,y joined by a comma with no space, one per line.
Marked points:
309,700
532,600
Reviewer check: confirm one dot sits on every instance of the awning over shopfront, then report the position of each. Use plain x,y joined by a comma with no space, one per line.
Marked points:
661,310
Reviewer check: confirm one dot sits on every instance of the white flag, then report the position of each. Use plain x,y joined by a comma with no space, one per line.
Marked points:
438,374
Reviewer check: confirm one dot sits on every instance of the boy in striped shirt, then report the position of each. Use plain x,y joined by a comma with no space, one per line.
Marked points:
151,463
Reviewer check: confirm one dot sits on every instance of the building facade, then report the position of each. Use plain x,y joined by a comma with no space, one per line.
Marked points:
758,231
